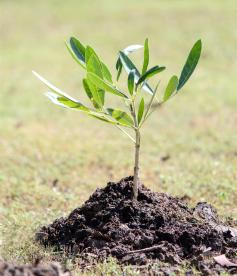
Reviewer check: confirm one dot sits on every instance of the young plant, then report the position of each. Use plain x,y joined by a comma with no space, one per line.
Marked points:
98,81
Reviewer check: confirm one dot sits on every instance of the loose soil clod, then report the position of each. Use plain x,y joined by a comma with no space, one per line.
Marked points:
37,269
156,227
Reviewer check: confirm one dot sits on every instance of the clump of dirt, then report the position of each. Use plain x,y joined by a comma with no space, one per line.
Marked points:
155,227
37,269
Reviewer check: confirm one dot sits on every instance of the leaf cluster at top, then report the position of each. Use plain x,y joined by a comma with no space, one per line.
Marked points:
98,81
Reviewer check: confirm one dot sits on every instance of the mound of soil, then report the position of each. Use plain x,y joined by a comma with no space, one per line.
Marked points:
155,227
37,269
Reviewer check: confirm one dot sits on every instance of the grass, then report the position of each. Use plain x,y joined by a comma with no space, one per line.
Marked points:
53,159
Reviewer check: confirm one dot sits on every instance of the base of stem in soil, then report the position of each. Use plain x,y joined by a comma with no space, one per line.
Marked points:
156,227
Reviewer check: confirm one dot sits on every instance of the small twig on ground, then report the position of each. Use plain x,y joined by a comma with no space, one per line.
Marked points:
148,249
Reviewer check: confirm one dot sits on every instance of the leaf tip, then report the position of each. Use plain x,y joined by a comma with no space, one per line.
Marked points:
199,43
36,74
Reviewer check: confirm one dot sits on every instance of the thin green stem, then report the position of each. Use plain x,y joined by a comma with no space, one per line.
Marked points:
149,105
137,151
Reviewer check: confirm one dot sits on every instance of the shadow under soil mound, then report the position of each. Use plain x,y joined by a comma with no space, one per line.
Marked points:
156,227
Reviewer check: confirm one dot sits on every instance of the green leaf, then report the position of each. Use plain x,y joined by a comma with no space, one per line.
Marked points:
171,87
66,102
131,48
140,110
102,118
146,87
61,98
121,116
93,65
69,103
51,86
77,50
98,93
101,94
190,64
126,51
131,80
104,85
151,72
105,73
119,67
88,52
128,66
146,57
89,92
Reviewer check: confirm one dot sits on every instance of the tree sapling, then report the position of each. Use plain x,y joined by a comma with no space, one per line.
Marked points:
98,80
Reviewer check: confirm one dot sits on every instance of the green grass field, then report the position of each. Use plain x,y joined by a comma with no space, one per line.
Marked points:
41,144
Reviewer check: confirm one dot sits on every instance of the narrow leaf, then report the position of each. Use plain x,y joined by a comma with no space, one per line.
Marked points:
190,64
104,85
140,111
102,117
132,48
131,79
103,68
88,52
93,65
128,50
171,87
121,116
146,56
106,73
146,87
77,50
66,102
119,67
96,96
88,92
151,72
62,99
52,87
98,93
128,66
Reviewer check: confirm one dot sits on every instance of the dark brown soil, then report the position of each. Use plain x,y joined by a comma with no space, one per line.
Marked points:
157,227
37,269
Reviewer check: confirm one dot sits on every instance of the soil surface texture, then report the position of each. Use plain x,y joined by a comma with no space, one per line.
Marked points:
155,228
37,269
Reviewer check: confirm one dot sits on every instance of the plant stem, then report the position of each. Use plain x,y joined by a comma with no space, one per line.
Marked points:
136,165
137,153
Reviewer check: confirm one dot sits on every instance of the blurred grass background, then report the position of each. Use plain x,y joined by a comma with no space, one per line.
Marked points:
52,159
